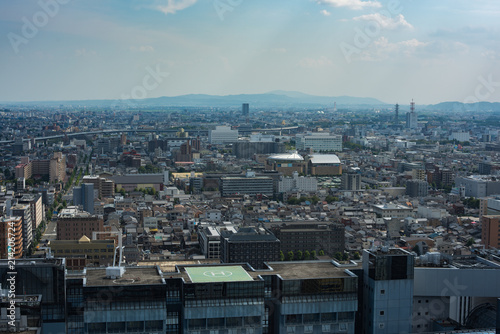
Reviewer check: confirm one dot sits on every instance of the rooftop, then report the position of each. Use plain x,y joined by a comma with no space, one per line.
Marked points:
287,157
217,274
304,270
132,276
325,159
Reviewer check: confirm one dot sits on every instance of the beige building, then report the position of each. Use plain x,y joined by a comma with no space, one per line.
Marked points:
84,252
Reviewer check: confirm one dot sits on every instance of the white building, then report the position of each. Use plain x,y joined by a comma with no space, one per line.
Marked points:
222,135
460,136
296,182
319,141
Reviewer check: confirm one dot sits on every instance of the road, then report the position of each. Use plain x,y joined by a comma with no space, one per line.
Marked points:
50,234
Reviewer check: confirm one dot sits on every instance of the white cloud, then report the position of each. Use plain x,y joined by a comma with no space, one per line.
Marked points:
85,53
315,62
173,6
351,4
382,49
385,22
325,12
142,48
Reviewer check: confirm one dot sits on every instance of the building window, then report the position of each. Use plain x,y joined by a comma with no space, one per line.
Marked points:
381,325
382,312
308,329
382,292
290,329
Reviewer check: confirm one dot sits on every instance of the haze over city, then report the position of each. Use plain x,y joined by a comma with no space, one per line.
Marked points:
389,50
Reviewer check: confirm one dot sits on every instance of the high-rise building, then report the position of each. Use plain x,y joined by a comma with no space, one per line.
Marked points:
387,290
416,188
351,181
490,236
24,211
84,196
11,237
245,109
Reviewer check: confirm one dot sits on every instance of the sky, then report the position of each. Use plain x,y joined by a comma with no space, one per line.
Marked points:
427,50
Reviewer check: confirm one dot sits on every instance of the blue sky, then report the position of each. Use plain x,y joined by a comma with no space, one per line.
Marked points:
428,50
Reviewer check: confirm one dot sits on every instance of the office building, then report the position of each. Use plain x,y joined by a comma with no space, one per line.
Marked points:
416,188
84,252
222,135
459,136
387,290
84,196
45,277
252,245
319,142
73,223
210,239
310,236
411,117
250,185
479,185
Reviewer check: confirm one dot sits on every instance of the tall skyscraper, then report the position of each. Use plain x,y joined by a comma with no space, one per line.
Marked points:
245,109
84,196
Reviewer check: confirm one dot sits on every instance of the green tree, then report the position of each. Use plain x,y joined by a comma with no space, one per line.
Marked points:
356,256
470,242
345,256
313,255
337,256
290,256
307,255
299,255
282,256
321,253
314,199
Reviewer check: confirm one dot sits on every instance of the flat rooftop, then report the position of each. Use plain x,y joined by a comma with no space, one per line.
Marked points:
169,266
132,276
305,270
214,274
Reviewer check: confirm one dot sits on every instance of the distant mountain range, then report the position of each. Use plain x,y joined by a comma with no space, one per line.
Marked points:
273,99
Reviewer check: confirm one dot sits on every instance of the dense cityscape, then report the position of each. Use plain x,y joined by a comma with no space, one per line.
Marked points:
259,200
249,167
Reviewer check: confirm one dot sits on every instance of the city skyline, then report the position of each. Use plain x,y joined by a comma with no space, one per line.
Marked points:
389,50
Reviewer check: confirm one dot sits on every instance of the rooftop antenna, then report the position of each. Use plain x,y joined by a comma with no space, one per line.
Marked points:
412,106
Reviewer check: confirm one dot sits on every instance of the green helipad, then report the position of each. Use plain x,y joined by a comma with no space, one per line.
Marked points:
218,274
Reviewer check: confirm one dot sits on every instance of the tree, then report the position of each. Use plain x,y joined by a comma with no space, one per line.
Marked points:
299,255
313,255
356,256
282,256
337,256
321,253
470,242
307,255
290,256
345,256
